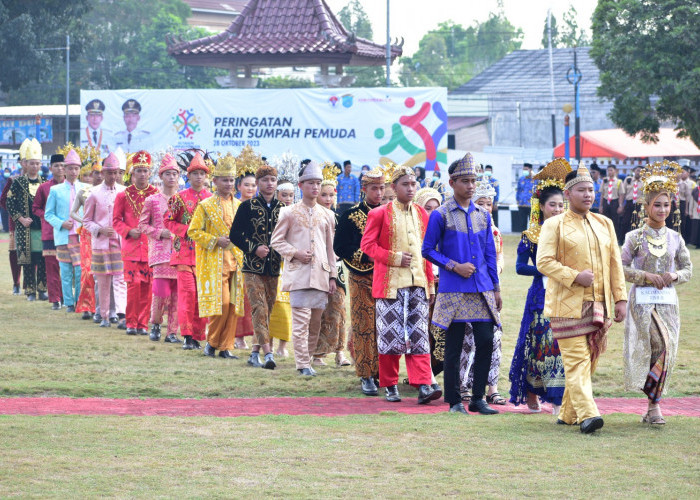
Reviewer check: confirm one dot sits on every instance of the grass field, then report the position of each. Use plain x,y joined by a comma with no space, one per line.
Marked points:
45,352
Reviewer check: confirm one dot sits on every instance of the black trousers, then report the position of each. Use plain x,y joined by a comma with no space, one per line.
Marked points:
34,275
454,341
610,211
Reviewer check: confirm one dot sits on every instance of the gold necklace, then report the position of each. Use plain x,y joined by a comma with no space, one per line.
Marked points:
657,245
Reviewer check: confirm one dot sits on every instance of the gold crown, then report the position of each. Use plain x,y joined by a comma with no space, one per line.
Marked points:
553,175
330,172
424,195
388,166
248,162
661,176
555,169
225,167
374,176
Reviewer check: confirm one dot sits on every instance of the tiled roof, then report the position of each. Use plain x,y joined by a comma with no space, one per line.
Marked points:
272,27
525,73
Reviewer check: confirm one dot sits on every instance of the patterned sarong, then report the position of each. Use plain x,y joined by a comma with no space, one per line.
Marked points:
69,253
656,379
48,248
402,323
464,308
592,323
363,341
107,261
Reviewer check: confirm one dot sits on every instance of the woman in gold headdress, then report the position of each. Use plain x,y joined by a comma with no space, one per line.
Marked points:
654,260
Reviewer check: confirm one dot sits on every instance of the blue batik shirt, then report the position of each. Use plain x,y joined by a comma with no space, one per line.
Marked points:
460,235
596,186
524,191
348,189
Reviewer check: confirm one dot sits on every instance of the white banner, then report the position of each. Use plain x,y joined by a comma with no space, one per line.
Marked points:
408,125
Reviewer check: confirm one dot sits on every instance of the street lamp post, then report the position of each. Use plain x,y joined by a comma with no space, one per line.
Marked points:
567,108
574,76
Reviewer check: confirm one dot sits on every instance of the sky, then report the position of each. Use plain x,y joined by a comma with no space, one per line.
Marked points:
411,19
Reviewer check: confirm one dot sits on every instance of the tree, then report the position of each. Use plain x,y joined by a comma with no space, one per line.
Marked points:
452,54
28,27
569,35
649,64
355,20
131,53
285,82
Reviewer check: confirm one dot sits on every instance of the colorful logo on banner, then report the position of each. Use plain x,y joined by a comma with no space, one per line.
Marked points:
347,100
186,123
428,152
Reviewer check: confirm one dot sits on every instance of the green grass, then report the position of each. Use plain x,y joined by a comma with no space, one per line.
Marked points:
383,456
47,352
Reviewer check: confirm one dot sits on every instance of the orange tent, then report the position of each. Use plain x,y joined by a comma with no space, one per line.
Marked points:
615,143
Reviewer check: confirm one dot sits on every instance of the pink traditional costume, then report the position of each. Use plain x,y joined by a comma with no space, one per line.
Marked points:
138,275
177,220
159,250
107,265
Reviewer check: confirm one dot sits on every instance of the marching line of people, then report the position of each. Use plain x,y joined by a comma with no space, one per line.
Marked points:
422,274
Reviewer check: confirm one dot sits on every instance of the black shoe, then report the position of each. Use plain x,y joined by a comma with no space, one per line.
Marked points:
131,331
227,355
114,320
561,422
43,296
480,406
196,344
254,360
15,290
458,408
306,372
426,394
121,325
187,345
172,339
70,309
86,316
31,297
392,394
269,362
105,324
96,318
155,333
209,350
591,425
55,306
369,388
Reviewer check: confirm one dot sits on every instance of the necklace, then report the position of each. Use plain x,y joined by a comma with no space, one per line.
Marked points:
657,244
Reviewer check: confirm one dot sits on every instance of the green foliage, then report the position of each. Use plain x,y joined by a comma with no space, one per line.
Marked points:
285,82
650,66
25,28
450,55
355,20
131,53
569,34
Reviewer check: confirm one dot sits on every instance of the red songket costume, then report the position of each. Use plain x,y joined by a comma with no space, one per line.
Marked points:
159,249
137,274
177,219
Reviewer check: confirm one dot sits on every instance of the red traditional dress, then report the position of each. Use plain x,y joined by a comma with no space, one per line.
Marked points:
137,274
86,299
177,219
159,250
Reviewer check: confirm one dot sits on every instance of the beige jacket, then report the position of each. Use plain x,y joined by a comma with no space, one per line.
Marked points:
561,257
302,228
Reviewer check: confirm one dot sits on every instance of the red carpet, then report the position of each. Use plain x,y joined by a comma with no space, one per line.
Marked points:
320,406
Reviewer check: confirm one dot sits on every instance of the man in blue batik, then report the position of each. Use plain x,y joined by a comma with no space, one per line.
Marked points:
597,181
459,241
348,188
523,194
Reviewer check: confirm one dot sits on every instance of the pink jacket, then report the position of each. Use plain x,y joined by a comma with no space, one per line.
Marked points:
97,214
151,223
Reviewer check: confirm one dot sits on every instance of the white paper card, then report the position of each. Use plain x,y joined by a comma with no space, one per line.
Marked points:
651,295
545,279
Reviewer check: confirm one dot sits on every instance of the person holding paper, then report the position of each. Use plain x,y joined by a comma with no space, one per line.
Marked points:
579,254
654,259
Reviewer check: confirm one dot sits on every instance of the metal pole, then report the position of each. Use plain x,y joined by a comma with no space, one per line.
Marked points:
577,123
567,148
388,45
551,76
67,85
520,122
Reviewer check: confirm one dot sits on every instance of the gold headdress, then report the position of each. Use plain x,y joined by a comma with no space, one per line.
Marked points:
553,175
582,175
466,166
393,172
247,162
661,177
374,176
287,167
330,172
225,167
424,195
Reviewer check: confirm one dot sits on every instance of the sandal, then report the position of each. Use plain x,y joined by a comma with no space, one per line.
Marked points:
653,419
466,397
341,360
495,399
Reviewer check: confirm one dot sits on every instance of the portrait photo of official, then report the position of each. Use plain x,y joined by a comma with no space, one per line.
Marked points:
94,134
132,138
